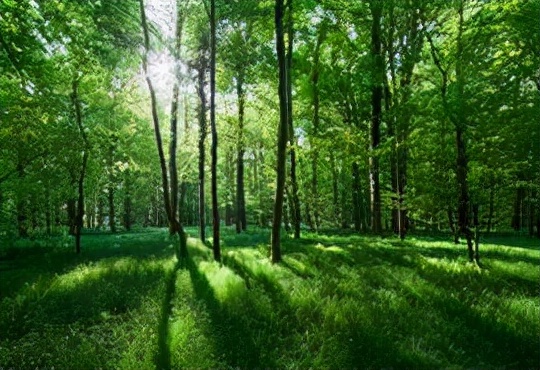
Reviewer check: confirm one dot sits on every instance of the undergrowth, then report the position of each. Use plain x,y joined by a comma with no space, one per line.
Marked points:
343,301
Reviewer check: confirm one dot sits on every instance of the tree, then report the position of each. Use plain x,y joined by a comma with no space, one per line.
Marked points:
455,112
282,133
175,227
376,7
215,204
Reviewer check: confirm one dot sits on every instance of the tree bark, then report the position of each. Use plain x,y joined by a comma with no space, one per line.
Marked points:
22,216
127,201
491,208
530,211
202,139
518,209
282,133
240,191
315,72
110,190
456,116
213,150
174,225
356,197
79,216
335,188
295,200
376,112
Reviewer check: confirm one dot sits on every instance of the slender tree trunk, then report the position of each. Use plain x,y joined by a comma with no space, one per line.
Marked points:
48,209
110,190
451,224
295,200
286,206
335,188
491,208
112,213
229,189
376,105
345,217
455,114
463,205
80,183
172,155
202,139
402,156
530,211
155,117
518,209
215,204
356,195
462,160
538,222
169,201
282,133
240,191
22,216
127,201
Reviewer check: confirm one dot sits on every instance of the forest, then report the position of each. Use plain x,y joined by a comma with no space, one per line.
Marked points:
269,184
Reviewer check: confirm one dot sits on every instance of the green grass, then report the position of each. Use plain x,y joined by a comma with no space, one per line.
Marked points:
341,301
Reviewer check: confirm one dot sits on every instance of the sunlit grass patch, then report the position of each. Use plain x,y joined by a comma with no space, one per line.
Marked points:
335,302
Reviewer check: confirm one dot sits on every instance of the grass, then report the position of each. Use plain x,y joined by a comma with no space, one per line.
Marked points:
343,301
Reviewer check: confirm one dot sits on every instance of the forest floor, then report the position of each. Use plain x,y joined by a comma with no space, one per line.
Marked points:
344,301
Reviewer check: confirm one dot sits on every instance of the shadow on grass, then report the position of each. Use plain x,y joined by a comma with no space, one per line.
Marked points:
249,238
86,295
163,357
234,341
484,340
40,261
490,339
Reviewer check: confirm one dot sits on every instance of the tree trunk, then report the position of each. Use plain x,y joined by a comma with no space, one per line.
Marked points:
170,200
455,114
356,194
463,201
230,177
202,139
240,191
80,183
155,117
295,201
402,157
530,211
286,207
491,208
376,105
518,209
127,201
213,150
282,133
48,209
112,213
335,188
538,223
22,216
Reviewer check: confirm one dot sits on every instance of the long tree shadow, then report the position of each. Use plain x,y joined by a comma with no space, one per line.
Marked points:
38,262
163,357
484,339
228,328
83,296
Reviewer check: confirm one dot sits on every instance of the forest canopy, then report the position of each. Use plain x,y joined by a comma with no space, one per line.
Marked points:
390,115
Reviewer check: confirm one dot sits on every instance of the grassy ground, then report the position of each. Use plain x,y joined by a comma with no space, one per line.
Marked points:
335,302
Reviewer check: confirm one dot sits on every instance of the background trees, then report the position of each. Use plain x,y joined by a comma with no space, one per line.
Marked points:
378,89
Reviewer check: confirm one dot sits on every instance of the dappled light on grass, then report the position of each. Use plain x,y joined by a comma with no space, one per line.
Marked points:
334,302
